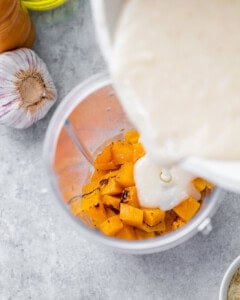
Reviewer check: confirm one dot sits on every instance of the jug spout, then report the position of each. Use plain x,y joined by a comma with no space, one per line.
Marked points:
225,174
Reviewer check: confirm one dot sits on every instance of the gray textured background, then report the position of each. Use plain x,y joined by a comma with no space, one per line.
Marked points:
42,255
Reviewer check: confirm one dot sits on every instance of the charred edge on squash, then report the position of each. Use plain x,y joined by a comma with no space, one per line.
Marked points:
103,181
86,194
116,211
124,196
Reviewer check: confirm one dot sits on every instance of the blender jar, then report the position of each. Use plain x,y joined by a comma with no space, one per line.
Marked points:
87,119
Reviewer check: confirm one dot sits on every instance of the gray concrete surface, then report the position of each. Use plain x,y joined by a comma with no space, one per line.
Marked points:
42,255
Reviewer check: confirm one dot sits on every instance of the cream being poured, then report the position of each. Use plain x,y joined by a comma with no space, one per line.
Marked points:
176,67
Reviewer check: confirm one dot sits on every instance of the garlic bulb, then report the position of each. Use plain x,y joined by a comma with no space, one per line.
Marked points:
26,89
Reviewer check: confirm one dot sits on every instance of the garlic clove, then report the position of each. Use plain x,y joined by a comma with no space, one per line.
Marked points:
27,91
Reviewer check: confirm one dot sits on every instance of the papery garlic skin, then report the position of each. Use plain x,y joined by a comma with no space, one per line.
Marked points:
27,91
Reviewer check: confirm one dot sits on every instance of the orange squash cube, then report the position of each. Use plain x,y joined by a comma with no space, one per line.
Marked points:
104,160
127,233
187,209
87,220
110,173
130,197
125,176
153,216
111,201
76,207
92,199
121,152
132,137
110,212
110,187
105,166
131,215
142,235
98,174
90,187
90,207
170,217
105,156
178,224
111,226
97,214
138,151
159,228
200,184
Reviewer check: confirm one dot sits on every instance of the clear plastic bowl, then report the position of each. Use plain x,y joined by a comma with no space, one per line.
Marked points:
97,117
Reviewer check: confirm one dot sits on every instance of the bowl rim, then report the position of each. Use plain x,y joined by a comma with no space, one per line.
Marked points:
170,240
228,275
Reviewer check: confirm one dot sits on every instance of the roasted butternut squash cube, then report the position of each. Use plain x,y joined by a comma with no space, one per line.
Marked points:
110,173
122,152
86,219
200,184
127,233
138,151
92,199
105,166
132,137
170,217
111,201
111,226
178,224
131,215
97,214
105,156
98,174
153,216
187,209
130,197
76,207
110,212
90,187
125,176
110,187
104,160
142,235
89,206
160,227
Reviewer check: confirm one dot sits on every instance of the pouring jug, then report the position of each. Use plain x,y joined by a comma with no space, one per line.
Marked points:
225,174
